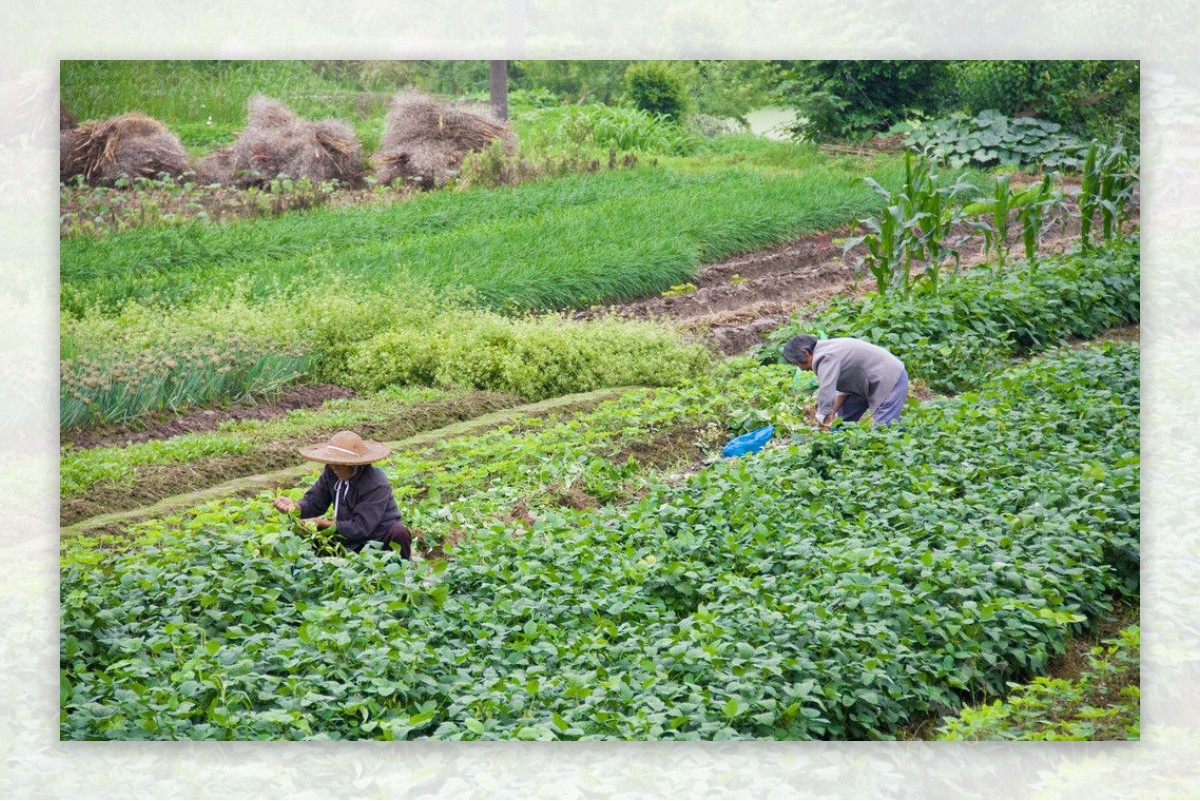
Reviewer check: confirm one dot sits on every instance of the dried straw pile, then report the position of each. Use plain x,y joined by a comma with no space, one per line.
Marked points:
276,142
131,146
425,141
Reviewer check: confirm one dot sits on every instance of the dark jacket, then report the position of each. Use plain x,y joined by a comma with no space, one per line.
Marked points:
365,507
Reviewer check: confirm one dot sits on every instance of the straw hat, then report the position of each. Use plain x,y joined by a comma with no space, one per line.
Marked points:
346,447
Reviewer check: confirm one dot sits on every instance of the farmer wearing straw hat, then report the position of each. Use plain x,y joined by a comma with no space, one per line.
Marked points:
854,375
361,497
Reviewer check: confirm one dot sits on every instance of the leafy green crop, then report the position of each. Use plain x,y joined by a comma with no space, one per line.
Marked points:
537,357
114,388
833,587
81,468
561,243
990,138
955,338
1102,704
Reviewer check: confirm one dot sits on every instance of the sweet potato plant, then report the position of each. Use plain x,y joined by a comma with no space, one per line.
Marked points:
776,596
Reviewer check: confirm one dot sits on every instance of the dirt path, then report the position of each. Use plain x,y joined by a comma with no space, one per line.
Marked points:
302,396
738,300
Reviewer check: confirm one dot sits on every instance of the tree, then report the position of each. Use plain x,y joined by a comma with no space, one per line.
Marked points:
850,99
652,86
499,89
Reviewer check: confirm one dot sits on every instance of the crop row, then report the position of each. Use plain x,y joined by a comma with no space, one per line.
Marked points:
565,242
836,587
588,458
955,338
1102,704
366,296
346,341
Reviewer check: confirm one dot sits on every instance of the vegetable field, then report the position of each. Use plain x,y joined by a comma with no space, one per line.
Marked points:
587,565
781,596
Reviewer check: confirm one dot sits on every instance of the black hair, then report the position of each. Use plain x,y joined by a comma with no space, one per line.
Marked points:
797,345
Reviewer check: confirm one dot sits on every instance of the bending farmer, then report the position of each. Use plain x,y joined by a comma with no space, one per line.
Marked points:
854,376
363,506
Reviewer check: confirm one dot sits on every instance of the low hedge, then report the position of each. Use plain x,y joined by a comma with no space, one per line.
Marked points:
535,357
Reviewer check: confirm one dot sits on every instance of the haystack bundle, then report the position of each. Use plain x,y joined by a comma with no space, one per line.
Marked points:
129,146
425,141
276,143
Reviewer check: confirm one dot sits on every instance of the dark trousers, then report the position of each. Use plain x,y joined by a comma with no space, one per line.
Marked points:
399,533
853,408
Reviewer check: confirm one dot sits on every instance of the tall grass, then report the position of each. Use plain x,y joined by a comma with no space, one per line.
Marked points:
598,128
562,243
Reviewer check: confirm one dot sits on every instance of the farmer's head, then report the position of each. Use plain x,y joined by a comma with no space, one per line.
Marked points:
799,351
346,453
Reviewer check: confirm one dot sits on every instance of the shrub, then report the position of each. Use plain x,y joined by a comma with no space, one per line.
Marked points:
847,99
1091,99
621,129
654,88
535,357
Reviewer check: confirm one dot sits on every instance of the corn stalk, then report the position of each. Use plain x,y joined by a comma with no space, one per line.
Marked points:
915,225
936,202
1038,215
890,245
1030,205
1110,176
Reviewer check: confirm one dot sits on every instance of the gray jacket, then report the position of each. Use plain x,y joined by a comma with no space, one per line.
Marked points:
852,367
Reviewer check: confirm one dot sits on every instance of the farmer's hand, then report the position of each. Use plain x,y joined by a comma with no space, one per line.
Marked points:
286,505
322,523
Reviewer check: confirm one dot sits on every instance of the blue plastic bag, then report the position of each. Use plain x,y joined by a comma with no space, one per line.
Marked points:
748,443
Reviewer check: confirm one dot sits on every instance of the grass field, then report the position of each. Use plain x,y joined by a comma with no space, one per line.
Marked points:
566,242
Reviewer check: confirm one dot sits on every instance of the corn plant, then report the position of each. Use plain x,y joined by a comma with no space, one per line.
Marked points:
937,202
916,225
890,241
1110,177
1031,205
1037,216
